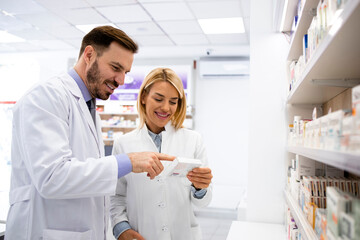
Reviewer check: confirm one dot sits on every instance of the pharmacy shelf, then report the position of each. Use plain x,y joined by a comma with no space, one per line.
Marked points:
301,221
302,26
290,11
334,63
343,160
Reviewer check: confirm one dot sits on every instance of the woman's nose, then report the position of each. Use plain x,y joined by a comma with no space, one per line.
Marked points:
165,106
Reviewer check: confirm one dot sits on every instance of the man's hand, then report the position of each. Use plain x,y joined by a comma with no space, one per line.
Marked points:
200,177
130,235
149,162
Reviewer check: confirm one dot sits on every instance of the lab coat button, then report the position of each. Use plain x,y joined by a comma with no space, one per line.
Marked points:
162,205
164,229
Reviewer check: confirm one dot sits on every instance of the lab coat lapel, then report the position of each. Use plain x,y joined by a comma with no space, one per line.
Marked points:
166,135
145,135
169,129
74,89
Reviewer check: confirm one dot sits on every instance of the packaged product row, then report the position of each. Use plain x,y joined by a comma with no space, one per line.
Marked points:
329,201
326,13
339,130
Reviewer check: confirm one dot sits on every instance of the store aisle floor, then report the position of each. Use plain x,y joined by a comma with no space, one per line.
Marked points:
214,228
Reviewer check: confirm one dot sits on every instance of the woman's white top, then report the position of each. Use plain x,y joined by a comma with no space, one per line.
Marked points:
161,208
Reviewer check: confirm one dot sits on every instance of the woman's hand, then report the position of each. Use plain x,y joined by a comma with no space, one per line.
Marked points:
130,235
200,177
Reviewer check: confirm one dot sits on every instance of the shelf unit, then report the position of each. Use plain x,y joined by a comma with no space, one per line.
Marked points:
306,230
116,128
335,61
301,28
333,68
125,129
347,161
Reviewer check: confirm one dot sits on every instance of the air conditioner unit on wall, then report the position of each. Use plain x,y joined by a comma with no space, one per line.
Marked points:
211,67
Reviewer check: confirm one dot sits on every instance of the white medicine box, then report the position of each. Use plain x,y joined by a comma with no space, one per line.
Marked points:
304,167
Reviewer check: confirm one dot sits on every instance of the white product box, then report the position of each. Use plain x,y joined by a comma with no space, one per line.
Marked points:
331,171
347,131
324,131
355,92
304,167
337,202
334,130
180,167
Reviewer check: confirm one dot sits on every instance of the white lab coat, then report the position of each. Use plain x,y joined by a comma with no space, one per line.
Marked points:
60,179
159,209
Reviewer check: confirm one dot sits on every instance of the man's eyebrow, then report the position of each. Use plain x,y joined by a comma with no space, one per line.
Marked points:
117,64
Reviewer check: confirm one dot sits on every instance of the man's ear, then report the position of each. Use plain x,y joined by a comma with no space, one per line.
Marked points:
89,54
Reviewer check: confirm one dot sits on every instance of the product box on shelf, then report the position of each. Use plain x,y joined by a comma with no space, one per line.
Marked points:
334,130
312,43
356,213
316,133
324,131
320,223
355,95
347,225
292,79
304,167
348,129
331,171
337,202
311,208
305,47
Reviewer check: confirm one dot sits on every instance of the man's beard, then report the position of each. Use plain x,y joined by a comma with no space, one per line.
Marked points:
93,79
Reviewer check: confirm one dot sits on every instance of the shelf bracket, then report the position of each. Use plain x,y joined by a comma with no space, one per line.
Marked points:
344,82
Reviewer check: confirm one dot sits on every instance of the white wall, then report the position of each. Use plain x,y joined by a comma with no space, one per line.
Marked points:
267,133
221,116
28,68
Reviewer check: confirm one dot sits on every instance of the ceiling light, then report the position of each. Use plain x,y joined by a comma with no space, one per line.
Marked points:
6,37
88,27
222,25
6,13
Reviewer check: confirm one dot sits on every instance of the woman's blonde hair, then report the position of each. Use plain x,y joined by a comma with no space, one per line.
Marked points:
167,75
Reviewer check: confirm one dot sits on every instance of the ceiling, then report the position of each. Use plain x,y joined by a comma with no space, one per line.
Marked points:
158,26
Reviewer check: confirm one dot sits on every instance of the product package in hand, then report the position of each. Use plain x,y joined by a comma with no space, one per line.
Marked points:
180,167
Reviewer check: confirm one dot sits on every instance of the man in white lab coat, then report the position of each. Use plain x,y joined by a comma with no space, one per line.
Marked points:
61,180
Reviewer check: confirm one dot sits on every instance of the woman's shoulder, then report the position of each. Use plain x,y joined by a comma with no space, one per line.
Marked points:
129,136
188,132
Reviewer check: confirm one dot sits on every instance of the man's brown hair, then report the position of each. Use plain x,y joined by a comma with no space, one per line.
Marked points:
101,37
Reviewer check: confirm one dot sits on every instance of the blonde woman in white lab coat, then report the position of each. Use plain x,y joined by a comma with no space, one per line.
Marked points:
162,208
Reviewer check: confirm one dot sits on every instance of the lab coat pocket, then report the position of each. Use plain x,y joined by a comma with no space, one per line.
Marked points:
50,234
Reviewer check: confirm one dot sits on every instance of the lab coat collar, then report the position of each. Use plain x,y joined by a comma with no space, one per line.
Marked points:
70,83
169,129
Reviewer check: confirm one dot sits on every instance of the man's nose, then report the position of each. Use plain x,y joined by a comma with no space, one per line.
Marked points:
120,79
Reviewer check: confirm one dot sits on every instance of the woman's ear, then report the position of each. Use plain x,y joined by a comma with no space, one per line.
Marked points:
143,96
